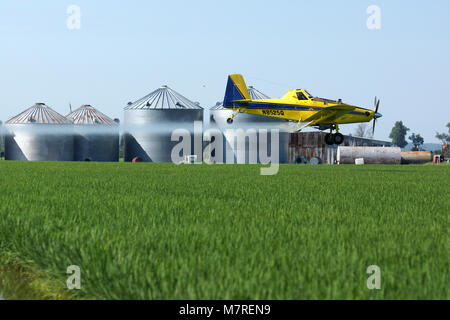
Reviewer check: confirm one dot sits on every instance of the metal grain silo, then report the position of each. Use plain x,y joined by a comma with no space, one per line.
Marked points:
39,134
255,94
96,136
150,121
250,124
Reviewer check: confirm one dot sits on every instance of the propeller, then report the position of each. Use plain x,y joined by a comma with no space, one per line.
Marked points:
376,114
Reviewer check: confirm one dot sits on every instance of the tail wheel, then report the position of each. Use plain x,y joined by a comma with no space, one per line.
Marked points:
338,138
230,120
329,139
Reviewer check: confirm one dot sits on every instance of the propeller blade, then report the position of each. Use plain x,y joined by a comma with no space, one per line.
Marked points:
376,106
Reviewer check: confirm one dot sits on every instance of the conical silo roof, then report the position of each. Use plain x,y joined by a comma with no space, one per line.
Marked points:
163,98
39,113
87,114
218,106
254,94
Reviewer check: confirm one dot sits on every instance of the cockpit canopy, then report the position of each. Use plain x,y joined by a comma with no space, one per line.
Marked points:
302,94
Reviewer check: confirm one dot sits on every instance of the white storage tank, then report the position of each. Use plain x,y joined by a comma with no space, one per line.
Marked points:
150,121
39,134
96,136
371,155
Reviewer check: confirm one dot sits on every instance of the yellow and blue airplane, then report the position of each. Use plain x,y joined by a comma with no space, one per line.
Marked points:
299,106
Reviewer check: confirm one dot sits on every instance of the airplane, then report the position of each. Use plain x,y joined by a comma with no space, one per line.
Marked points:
299,106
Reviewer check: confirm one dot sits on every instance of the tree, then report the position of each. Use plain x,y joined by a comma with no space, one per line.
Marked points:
445,138
2,145
417,141
398,134
363,131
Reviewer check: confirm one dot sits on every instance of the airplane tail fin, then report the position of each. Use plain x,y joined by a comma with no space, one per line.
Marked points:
236,90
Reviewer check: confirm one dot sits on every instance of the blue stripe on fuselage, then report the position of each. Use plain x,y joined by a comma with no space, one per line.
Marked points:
267,105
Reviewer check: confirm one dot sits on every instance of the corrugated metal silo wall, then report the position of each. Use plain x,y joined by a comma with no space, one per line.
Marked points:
39,142
96,143
251,126
148,132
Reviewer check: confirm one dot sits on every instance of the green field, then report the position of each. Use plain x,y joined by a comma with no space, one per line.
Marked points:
161,231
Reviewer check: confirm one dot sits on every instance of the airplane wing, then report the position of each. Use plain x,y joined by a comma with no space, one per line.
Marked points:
326,114
329,113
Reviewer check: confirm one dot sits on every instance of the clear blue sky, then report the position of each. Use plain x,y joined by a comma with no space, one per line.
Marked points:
125,49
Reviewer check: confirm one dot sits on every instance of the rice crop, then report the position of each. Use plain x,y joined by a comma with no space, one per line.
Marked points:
162,231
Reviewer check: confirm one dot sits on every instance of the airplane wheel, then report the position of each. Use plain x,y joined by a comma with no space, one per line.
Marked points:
329,139
338,138
230,120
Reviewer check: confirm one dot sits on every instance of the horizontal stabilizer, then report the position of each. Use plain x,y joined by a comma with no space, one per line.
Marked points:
243,101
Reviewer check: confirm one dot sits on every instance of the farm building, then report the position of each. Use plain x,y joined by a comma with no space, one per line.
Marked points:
96,136
246,128
150,121
304,146
39,134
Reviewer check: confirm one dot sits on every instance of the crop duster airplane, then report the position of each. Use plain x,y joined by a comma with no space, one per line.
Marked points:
299,106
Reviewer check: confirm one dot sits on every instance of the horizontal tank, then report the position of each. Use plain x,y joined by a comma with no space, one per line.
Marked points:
371,155
150,122
416,157
39,134
96,136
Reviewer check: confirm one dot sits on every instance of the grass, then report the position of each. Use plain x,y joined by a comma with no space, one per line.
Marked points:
21,280
160,231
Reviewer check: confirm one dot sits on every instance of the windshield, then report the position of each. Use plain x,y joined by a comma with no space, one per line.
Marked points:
308,94
301,96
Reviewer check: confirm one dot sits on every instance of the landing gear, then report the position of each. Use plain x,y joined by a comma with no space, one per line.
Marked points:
230,120
336,138
329,139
